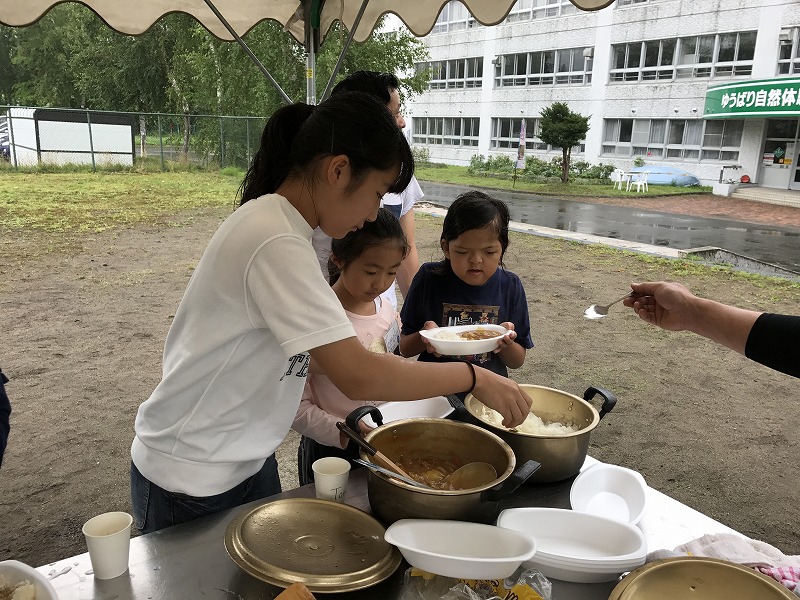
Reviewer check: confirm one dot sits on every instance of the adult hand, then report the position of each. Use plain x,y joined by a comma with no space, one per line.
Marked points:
503,395
667,305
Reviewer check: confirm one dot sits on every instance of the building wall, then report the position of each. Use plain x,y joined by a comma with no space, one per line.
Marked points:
602,98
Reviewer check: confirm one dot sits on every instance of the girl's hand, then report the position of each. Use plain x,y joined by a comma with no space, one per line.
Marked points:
508,339
428,346
503,395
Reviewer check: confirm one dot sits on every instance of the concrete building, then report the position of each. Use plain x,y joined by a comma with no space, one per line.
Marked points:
701,85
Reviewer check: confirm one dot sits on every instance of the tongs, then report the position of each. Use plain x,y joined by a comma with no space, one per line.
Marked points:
392,474
370,449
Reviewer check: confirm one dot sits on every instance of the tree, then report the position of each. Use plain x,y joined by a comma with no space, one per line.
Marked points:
562,128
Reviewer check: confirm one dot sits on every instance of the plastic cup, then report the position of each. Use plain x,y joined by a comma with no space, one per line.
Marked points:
330,477
108,537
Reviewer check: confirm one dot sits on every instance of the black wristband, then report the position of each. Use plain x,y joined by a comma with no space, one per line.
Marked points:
474,377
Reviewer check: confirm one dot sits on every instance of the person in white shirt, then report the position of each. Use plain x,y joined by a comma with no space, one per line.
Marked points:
384,86
257,308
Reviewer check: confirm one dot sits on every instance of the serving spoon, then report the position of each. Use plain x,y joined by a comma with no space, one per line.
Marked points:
598,311
472,475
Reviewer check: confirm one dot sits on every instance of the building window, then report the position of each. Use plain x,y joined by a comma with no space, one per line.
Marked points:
454,17
446,131
526,10
721,55
505,135
454,74
681,139
548,67
629,2
789,52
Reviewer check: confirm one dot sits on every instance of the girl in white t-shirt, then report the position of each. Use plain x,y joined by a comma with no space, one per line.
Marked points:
361,265
257,308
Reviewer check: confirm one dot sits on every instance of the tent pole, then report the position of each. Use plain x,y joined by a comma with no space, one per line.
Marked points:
311,68
249,52
345,48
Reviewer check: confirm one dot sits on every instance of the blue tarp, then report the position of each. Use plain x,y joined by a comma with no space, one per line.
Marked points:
667,175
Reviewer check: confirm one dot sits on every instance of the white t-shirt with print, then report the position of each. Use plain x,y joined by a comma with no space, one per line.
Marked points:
236,356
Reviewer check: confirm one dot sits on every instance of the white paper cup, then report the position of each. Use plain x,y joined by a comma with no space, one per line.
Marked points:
330,477
108,537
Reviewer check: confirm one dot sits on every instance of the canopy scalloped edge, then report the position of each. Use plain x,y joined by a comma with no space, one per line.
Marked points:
136,17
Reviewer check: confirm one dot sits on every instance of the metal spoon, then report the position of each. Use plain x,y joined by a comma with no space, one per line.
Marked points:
598,311
472,475
379,469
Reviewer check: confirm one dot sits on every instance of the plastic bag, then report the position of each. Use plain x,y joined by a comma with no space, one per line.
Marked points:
524,584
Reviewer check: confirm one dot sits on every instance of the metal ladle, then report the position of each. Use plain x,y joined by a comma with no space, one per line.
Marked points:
471,475
598,311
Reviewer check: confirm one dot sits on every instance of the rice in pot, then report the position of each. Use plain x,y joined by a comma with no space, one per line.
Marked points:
532,424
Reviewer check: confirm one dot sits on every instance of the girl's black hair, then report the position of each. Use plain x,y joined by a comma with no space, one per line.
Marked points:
351,123
384,230
476,210
375,83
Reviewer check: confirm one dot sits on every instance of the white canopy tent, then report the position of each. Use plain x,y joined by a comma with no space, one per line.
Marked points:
308,21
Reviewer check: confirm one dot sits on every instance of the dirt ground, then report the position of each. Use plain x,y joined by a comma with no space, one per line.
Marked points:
84,319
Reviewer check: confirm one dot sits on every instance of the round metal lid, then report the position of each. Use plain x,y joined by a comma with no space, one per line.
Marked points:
328,546
699,578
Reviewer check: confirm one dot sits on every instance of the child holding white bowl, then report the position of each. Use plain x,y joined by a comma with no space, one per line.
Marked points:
469,287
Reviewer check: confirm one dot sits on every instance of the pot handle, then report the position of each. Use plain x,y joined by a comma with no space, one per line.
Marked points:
509,486
609,399
362,411
458,405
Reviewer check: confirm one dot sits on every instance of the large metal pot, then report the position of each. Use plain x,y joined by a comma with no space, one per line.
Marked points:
561,456
391,499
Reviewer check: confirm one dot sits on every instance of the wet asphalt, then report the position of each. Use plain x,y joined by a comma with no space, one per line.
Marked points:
765,243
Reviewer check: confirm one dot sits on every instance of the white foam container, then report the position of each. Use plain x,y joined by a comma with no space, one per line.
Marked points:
575,546
437,407
15,572
461,549
464,347
610,491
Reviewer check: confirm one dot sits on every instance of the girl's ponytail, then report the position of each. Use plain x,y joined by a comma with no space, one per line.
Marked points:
272,162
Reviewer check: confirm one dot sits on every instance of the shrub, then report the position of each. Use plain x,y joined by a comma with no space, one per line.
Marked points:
422,156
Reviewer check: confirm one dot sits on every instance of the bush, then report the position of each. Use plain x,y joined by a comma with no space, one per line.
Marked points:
422,156
537,170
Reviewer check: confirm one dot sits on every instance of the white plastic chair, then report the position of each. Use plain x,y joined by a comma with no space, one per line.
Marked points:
640,181
619,178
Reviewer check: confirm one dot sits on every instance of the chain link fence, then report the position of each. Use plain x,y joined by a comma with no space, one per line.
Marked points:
34,138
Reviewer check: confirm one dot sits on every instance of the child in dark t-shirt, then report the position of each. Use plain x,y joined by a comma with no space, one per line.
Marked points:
470,286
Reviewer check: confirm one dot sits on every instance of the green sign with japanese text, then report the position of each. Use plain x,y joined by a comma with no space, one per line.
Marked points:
766,98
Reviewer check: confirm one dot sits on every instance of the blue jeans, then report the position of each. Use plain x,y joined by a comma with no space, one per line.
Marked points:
155,508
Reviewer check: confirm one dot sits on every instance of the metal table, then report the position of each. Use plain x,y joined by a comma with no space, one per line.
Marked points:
189,561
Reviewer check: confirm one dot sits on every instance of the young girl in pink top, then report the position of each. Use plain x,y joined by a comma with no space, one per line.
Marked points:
362,265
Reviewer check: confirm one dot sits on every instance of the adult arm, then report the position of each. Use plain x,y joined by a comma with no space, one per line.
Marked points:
410,265
364,375
772,340
673,307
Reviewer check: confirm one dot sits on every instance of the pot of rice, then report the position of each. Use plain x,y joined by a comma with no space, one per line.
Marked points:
555,433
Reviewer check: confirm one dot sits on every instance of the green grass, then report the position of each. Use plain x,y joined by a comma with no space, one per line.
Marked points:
459,176
100,201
